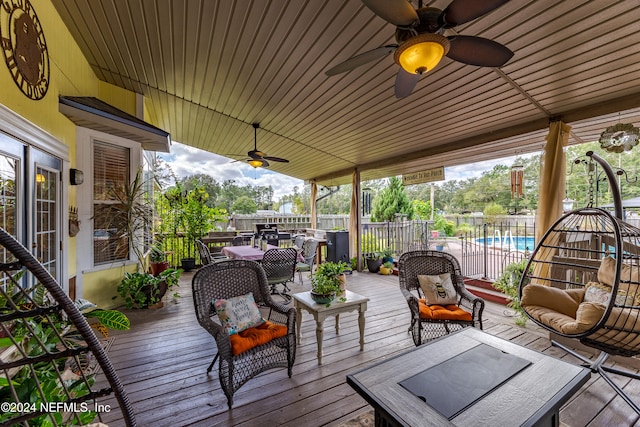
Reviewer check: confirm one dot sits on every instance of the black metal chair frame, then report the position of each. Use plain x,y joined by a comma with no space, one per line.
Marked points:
65,352
309,251
280,268
414,263
568,256
205,255
232,278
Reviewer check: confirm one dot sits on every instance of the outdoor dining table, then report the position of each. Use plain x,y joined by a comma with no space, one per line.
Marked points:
245,252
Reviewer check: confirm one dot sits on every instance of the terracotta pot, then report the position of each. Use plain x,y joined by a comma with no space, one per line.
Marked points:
158,267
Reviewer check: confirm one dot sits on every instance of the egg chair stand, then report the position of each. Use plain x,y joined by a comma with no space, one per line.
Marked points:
49,353
583,282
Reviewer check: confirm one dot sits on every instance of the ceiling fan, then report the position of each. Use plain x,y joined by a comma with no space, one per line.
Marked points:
421,43
258,158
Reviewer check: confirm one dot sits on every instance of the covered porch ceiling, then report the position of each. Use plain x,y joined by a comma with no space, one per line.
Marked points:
208,69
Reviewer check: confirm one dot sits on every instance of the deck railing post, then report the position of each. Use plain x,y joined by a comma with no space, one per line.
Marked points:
485,252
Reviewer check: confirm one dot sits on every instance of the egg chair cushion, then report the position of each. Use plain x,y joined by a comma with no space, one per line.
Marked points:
558,300
628,288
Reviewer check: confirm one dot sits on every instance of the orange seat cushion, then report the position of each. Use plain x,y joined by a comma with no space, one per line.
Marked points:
440,312
253,337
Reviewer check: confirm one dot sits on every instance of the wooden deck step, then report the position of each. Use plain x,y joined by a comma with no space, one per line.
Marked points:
488,294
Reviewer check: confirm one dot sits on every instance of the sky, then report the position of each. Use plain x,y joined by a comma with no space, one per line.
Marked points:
186,161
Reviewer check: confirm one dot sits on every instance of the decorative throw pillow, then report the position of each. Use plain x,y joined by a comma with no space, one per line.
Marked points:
438,289
597,292
238,313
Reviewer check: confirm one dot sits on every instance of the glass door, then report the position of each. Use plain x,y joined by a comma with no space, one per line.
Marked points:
34,220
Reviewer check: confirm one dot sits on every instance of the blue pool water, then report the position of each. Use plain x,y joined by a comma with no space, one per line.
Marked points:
520,243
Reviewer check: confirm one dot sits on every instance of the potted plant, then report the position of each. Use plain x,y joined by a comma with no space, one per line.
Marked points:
328,281
374,261
387,255
157,260
143,290
386,268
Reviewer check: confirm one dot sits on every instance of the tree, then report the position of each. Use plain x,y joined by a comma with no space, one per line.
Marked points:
244,205
422,209
391,201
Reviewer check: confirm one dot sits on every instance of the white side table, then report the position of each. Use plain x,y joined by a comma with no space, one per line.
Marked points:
320,312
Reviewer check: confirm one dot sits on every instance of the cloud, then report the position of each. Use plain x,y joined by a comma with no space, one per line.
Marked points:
187,161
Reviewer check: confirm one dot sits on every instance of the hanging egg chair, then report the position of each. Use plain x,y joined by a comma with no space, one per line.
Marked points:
583,281
53,367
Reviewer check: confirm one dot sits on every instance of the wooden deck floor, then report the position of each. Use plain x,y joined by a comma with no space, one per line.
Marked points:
162,361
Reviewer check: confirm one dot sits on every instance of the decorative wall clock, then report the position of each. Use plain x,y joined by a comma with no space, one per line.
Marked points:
24,47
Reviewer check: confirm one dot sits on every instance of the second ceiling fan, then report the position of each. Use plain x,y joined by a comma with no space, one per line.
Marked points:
421,43
258,158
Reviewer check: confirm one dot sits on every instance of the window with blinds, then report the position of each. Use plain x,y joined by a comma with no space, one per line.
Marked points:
111,172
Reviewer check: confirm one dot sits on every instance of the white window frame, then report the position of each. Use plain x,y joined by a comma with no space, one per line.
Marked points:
84,149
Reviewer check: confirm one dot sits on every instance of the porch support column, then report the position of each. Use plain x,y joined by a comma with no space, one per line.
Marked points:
355,219
314,195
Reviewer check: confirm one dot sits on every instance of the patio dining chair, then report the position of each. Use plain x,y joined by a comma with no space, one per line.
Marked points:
237,241
253,333
309,249
432,284
205,255
280,267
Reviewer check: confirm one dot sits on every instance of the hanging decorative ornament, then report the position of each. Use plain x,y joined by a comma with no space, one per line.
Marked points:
620,137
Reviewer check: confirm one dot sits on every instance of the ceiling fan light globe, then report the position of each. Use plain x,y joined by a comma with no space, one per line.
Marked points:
256,163
421,53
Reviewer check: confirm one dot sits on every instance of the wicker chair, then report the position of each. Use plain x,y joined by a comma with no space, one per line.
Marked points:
280,267
309,249
425,327
62,347
233,278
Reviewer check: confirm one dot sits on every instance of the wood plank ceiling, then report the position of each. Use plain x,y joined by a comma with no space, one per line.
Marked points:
210,68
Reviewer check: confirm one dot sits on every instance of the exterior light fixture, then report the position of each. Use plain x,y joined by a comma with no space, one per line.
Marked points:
256,163
76,176
420,54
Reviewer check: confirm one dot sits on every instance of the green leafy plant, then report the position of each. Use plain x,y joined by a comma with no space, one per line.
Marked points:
38,336
388,264
508,283
156,254
326,281
142,289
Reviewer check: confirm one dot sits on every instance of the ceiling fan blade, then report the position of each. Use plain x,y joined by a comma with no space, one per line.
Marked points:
396,12
462,11
255,154
264,163
275,159
405,83
478,51
361,59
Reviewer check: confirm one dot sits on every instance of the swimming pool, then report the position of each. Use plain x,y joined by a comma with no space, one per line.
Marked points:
519,243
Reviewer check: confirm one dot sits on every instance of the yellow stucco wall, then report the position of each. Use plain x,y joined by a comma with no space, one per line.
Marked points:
70,75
